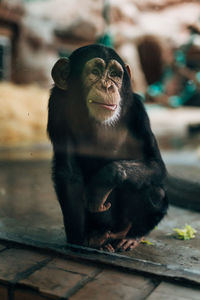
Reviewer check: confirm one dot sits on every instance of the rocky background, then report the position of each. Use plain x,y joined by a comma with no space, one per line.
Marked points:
145,33
51,27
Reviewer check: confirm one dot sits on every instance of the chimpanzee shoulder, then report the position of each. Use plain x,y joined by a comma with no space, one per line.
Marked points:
137,117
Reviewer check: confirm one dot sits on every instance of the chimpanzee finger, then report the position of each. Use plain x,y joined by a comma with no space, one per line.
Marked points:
103,207
107,206
109,248
121,243
134,244
129,244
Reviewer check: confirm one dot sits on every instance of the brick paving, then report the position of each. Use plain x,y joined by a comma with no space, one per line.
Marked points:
30,275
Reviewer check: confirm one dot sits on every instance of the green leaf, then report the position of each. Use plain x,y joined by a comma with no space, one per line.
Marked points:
185,233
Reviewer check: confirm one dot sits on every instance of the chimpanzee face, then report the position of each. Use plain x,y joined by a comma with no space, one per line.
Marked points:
99,78
102,84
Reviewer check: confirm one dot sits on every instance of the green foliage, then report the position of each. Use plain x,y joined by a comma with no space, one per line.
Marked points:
186,233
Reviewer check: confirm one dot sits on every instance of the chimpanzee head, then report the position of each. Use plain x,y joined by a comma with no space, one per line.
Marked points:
101,77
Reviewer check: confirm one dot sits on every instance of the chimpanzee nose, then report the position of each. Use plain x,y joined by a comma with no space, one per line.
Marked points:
106,85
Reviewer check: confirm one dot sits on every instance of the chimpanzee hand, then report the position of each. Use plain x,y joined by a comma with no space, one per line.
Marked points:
101,185
100,206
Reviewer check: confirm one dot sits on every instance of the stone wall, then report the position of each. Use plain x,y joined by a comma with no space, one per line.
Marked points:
54,26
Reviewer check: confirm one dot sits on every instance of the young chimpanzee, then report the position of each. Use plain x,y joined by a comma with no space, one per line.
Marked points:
107,168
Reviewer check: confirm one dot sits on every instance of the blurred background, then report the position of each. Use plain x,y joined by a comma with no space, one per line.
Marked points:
159,39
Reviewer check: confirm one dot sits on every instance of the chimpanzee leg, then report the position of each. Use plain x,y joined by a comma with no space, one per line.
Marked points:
144,208
139,211
133,214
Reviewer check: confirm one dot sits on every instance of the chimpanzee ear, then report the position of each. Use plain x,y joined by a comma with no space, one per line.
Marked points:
128,70
60,73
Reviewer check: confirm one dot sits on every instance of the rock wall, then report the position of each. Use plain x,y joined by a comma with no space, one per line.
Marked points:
62,25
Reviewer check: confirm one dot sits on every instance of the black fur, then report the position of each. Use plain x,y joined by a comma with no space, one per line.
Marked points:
137,178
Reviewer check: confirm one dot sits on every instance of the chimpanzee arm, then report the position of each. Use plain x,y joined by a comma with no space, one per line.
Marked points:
66,174
68,184
149,170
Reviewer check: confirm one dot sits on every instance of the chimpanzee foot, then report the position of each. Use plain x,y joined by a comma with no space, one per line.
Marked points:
119,242
102,242
98,241
121,245
127,244
114,242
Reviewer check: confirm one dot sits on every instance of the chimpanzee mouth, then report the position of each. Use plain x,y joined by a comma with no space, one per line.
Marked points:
104,105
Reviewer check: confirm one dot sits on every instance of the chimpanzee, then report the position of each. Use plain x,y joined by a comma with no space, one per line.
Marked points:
107,169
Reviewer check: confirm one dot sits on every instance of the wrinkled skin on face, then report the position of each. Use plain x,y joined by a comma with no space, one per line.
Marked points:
102,86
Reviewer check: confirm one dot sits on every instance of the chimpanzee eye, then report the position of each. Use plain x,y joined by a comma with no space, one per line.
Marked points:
95,72
115,74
